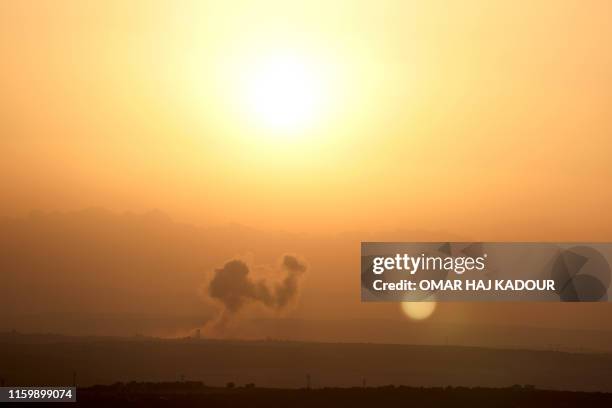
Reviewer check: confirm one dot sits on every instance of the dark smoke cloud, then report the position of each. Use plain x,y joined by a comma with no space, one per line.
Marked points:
288,289
234,288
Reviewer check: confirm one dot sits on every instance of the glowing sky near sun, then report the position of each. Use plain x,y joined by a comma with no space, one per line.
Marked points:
474,117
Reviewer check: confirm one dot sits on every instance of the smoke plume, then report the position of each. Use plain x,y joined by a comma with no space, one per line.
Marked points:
234,287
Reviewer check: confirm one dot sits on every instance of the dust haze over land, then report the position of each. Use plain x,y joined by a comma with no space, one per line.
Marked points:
99,272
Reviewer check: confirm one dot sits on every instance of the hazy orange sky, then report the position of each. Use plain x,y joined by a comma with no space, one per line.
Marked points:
466,116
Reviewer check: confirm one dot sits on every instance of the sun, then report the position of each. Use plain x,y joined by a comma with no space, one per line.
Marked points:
418,310
285,93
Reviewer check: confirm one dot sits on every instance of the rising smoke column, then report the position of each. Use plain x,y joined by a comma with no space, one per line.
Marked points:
234,288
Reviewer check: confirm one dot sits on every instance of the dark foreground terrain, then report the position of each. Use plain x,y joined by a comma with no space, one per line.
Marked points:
63,360
192,394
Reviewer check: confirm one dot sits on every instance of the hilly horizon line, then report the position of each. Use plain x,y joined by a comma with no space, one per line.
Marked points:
21,336
160,215
277,320
487,336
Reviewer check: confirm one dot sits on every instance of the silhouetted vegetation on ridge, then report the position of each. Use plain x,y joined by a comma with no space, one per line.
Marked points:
192,393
